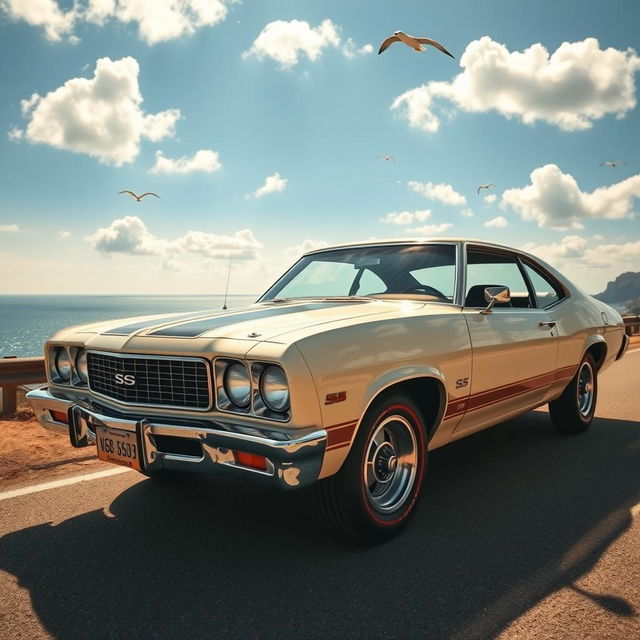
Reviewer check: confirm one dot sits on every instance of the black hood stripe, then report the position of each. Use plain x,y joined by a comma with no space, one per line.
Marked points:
199,327
129,329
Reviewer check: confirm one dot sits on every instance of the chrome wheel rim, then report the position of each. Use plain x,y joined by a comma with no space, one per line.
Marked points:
391,464
586,386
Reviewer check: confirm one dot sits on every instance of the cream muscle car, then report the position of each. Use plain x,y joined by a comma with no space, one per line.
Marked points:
359,360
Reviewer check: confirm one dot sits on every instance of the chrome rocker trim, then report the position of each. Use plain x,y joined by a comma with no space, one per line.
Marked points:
291,463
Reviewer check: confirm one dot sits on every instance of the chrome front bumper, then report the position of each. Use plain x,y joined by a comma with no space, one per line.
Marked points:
291,462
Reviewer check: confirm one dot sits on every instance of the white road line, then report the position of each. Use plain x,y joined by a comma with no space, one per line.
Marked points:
61,483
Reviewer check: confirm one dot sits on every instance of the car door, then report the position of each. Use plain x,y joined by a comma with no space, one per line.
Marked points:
514,347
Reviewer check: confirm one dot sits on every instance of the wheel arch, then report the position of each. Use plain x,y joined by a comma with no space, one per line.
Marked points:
427,389
597,346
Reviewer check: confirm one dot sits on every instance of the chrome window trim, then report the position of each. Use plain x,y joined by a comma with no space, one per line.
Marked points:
545,275
400,243
504,251
461,274
142,356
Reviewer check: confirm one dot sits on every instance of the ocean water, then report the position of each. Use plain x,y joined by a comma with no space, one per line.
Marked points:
26,322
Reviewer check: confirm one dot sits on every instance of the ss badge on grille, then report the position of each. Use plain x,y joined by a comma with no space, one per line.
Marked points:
127,380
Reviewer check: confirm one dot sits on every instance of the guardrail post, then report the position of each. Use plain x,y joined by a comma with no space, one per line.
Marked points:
9,399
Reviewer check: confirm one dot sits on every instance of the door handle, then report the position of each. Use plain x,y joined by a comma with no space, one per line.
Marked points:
547,324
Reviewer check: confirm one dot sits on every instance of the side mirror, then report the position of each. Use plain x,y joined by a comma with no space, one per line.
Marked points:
493,295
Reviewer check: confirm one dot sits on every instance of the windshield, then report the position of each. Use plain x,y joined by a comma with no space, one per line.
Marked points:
424,272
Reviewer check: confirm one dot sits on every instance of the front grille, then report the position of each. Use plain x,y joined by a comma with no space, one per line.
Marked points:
166,382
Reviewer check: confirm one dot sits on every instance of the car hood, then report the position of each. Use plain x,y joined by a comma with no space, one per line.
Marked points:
256,322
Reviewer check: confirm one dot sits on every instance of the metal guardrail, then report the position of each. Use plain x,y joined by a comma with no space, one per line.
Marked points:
632,325
13,373
16,371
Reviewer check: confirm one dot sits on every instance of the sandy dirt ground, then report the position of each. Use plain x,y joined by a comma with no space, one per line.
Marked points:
28,451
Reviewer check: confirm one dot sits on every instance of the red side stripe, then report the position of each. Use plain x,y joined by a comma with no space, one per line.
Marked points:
507,391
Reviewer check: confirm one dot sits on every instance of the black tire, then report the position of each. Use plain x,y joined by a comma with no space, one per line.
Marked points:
374,511
573,411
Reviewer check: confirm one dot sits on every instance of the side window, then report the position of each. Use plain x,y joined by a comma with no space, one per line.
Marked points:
547,293
485,269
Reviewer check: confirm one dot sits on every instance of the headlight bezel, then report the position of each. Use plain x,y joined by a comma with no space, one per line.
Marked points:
245,377
256,407
269,403
81,366
56,373
66,373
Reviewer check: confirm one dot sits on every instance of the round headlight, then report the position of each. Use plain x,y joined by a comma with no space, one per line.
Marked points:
274,389
63,364
237,385
81,366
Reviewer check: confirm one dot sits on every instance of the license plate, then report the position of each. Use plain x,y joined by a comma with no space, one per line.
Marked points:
119,447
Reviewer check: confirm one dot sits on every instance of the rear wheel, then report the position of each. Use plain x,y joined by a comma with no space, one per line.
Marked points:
376,491
573,411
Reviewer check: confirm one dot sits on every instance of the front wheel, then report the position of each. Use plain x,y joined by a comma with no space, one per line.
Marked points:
573,411
376,491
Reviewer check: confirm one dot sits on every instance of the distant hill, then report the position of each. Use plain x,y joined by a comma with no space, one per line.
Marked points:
624,289
633,308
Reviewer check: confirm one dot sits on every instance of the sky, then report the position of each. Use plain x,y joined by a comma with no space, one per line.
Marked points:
265,130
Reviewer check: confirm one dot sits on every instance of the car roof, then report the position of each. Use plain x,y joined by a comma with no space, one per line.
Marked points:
415,241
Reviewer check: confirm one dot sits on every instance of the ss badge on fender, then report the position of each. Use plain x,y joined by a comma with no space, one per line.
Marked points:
332,398
462,382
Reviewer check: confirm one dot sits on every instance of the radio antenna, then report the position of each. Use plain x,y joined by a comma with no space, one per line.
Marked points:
226,292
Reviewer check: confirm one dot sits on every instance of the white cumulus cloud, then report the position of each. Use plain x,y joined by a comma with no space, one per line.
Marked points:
64,234
160,20
272,184
499,222
41,13
15,134
467,213
130,235
491,198
9,228
430,229
570,88
100,116
351,50
204,160
406,217
295,251
442,192
286,41
553,199
590,263
156,20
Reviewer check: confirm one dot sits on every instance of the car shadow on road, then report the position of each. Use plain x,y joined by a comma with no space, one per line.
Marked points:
508,516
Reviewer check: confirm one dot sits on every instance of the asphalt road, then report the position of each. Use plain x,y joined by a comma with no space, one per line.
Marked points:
520,534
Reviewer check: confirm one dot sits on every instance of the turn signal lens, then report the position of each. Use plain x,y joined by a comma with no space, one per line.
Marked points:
59,416
251,460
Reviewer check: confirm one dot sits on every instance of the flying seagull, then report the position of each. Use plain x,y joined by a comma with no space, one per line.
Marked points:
615,163
137,197
486,186
411,41
387,158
